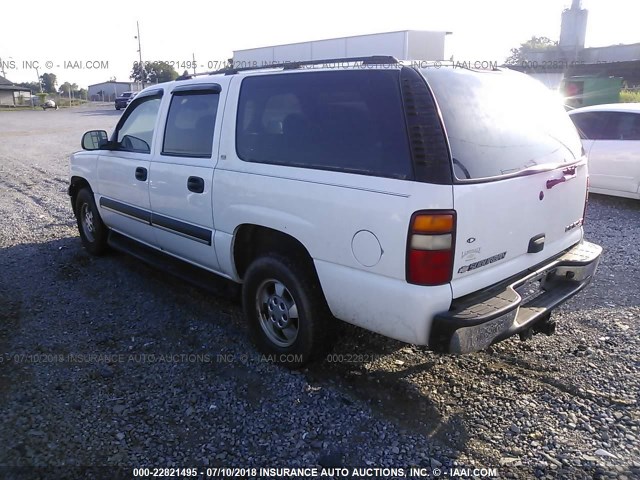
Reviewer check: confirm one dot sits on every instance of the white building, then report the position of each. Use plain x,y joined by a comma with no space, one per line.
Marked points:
108,91
403,45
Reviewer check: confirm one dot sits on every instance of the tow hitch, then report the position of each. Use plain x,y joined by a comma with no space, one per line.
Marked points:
545,325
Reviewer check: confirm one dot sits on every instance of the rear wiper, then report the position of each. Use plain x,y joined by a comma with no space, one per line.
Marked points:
563,144
545,167
462,167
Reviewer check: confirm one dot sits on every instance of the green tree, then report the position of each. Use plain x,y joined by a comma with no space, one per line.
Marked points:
153,72
534,44
49,82
67,87
138,74
162,72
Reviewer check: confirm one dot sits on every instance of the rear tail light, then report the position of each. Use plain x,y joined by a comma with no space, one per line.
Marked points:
430,247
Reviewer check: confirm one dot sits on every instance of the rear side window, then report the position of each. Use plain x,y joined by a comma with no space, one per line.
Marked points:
190,124
607,125
349,121
629,127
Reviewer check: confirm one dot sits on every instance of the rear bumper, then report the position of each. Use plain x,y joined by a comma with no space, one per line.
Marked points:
478,320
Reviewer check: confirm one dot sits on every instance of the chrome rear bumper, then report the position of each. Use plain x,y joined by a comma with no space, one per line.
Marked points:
478,320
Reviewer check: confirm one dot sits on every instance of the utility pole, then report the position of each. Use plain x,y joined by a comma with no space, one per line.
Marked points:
39,80
141,66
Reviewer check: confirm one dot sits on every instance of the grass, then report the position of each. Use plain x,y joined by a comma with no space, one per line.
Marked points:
630,96
61,102
64,102
17,108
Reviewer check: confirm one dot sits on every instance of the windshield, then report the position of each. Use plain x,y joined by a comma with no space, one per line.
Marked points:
501,123
127,94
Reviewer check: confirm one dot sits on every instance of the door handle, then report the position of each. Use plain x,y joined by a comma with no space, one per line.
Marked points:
195,184
141,174
567,174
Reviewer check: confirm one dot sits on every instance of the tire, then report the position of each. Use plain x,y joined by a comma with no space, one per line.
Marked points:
93,233
286,311
118,108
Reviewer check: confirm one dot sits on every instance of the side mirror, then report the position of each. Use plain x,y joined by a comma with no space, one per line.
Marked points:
94,140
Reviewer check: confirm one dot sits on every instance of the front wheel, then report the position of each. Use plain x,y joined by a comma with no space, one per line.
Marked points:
287,314
93,232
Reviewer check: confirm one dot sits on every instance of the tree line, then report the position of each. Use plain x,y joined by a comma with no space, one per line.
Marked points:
148,72
153,72
49,84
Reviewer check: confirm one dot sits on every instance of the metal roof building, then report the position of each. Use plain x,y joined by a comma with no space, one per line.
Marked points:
108,91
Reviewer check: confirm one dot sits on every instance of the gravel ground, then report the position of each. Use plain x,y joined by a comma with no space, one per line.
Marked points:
109,362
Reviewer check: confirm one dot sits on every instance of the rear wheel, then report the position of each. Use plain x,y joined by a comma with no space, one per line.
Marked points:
288,317
93,232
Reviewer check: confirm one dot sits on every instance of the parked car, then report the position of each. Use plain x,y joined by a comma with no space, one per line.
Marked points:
436,206
49,104
124,99
611,138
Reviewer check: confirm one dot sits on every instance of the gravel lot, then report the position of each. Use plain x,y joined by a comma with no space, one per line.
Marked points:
110,362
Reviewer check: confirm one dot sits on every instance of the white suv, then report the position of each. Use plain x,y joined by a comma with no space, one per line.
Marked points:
437,206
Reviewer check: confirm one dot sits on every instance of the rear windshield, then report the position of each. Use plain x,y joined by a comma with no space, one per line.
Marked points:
501,123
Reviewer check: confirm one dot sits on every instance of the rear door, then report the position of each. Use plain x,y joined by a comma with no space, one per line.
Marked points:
521,180
181,187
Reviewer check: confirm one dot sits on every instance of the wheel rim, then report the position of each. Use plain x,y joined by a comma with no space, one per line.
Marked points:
86,219
278,313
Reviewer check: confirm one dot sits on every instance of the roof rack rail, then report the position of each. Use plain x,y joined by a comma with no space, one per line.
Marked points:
370,60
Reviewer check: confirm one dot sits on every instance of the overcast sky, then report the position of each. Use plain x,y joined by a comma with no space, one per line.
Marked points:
77,31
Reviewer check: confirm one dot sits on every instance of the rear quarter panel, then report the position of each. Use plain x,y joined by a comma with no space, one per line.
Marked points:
324,210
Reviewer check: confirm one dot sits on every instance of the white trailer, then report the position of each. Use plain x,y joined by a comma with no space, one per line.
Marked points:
403,45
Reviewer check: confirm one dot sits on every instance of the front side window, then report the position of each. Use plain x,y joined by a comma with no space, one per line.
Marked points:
135,133
190,124
349,121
